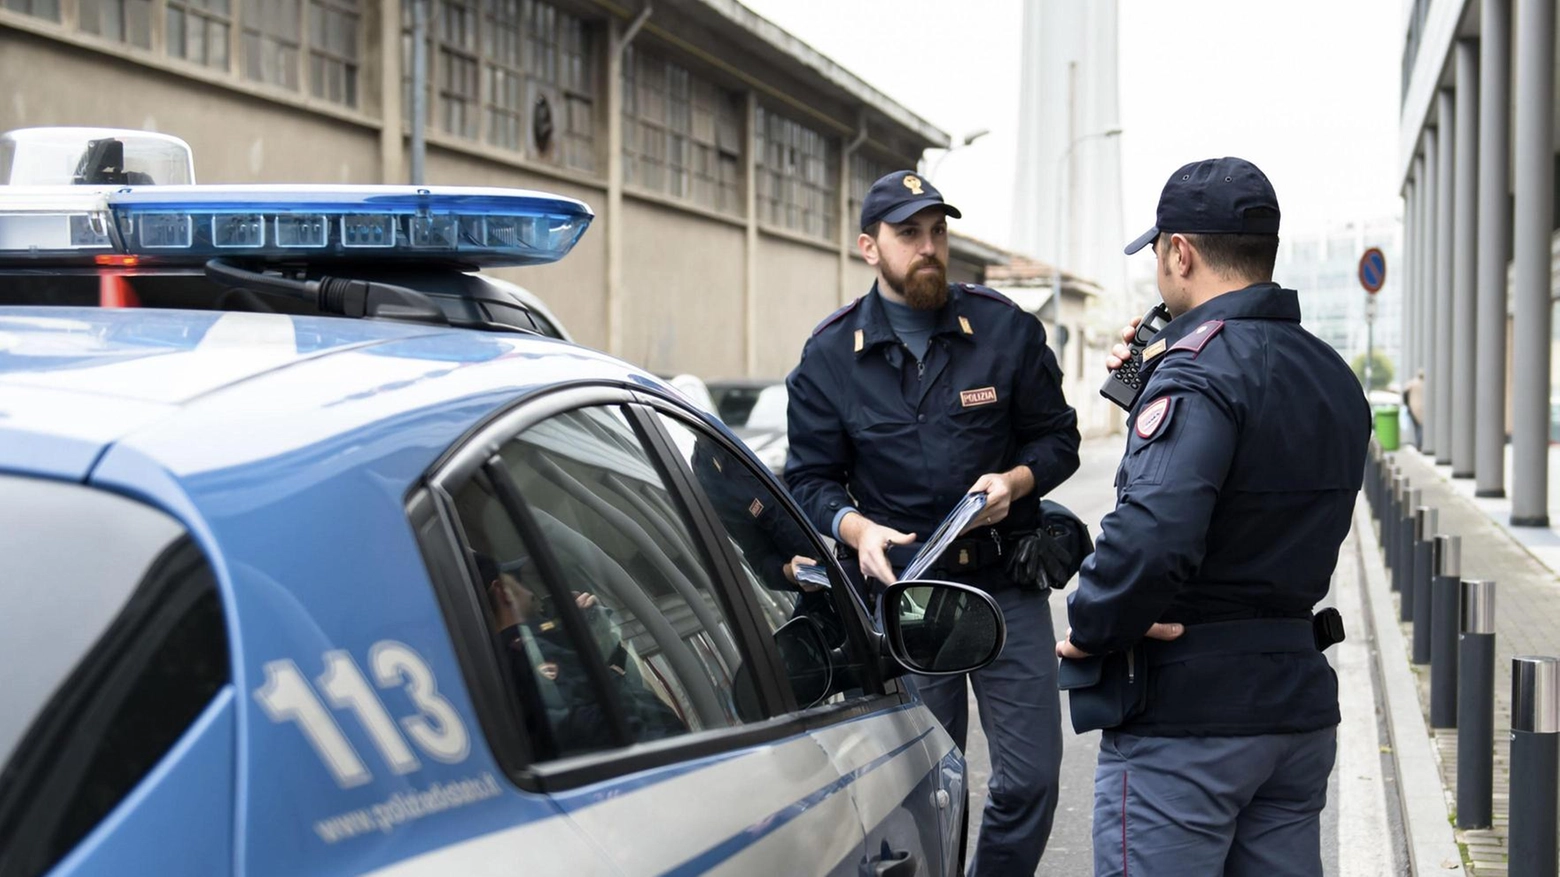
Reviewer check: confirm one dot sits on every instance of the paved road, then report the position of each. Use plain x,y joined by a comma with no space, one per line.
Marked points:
1090,495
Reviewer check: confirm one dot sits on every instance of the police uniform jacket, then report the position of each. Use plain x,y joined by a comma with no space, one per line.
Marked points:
1244,454
902,441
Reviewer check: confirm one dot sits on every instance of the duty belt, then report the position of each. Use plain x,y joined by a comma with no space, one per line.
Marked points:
1225,638
979,549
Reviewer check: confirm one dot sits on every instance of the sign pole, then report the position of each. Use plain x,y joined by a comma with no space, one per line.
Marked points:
1373,274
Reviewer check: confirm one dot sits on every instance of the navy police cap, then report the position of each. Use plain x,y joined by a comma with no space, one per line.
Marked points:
900,195
1214,196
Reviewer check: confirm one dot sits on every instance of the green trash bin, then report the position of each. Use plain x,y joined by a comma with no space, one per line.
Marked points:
1387,427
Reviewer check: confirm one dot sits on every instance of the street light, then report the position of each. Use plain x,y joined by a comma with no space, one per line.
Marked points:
931,173
1062,193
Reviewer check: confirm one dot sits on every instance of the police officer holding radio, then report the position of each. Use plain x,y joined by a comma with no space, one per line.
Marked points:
1245,451
906,399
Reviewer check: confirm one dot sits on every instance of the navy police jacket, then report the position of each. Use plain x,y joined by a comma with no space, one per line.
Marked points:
1244,454
902,441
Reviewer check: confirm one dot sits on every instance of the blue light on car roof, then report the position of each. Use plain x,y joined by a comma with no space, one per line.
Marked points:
471,226
482,227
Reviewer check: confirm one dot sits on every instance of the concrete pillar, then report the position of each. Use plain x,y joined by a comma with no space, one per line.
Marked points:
1533,217
1411,220
392,170
617,41
1489,456
1427,267
1441,385
1465,263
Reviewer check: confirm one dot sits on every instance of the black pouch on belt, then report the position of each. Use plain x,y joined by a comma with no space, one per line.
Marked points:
1050,556
1104,691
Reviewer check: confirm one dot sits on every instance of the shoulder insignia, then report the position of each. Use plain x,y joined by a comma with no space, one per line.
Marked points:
836,316
964,323
1153,350
1153,418
1196,339
861,340
988,292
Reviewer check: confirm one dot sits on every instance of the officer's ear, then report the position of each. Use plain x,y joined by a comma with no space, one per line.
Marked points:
867,243
1180,255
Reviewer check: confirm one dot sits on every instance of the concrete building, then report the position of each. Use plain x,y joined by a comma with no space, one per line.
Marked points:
1069,162
1324,268
724,158
1477,166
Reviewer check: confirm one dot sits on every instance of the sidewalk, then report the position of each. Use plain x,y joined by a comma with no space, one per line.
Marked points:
1522,562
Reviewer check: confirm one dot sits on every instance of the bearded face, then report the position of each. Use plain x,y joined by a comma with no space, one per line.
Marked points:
924,285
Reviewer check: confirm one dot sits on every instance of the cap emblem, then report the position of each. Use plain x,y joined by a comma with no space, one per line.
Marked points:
913,183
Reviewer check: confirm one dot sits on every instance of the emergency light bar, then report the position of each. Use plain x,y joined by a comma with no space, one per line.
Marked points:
476,227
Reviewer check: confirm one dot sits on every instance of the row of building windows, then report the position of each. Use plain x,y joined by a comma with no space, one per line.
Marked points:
521,76
283,43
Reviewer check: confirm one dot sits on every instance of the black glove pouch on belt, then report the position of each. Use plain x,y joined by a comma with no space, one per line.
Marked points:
1050,556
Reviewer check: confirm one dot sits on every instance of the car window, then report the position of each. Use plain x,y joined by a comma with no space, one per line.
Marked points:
771,545
134,686
768,411
600,604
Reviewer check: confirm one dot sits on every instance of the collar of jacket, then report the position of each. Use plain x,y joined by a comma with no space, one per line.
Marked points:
1259,301
872,320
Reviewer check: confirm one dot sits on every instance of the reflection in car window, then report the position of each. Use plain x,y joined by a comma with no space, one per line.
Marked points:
124,707
641,597
768,541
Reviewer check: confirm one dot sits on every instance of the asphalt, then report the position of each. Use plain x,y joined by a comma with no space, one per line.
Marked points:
1361,831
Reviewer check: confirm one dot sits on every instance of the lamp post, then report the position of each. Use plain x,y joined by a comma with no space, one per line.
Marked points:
1062,192
931,172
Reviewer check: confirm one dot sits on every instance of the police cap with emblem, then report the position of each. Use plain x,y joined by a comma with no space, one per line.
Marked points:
1214,196
900,195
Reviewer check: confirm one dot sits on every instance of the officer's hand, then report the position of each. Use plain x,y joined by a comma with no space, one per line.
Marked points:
1065,648
870,541
1159,630
1120,353
999,498
790,573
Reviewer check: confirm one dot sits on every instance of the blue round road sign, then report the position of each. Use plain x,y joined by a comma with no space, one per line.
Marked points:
1373,270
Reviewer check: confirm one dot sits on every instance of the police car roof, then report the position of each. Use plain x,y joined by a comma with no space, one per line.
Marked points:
194,392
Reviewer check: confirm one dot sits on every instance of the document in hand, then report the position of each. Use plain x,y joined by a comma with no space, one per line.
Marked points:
811,574
950,528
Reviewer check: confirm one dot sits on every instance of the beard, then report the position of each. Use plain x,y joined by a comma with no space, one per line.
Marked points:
923,290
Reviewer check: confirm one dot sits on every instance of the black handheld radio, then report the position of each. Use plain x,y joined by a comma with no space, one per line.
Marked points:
1125,383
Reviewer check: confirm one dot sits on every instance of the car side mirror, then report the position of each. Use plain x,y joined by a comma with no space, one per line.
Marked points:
941,628
804,650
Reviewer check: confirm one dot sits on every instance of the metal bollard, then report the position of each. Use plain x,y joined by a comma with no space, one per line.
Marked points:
1535,766
1422,571
1423,588
1402,574
1445,621
1393,512
1476,706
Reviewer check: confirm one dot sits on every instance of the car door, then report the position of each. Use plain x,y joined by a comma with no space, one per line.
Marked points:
902,772
631,681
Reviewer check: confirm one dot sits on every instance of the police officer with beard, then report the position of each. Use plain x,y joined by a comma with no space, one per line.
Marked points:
905,400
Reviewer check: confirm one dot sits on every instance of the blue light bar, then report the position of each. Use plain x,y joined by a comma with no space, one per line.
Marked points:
478,227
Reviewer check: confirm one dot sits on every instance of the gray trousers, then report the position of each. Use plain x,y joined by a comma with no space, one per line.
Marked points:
1234,806
1022,720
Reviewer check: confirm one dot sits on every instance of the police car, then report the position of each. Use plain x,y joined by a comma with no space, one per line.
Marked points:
407,590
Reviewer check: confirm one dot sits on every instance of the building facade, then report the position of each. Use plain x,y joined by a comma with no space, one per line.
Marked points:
1477,167
724,158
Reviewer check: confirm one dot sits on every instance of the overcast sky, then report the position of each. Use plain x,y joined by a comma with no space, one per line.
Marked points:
1308,91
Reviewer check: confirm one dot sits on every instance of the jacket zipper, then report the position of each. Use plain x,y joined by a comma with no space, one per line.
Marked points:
1131,668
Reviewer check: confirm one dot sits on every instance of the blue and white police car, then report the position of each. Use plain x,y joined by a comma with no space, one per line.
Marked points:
412,590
